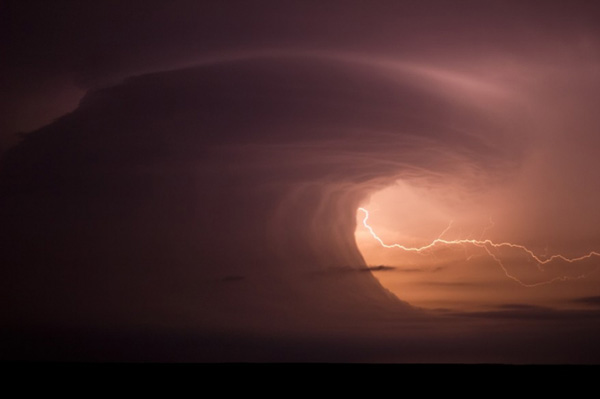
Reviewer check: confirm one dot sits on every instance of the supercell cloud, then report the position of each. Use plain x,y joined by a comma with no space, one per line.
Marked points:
203,194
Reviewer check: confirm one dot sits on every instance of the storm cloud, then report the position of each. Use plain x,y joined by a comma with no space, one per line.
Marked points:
205,188
246,167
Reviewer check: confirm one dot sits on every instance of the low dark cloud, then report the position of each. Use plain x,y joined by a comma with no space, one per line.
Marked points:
530,313
424,269
520,306
588,300
454,283
380,268
332,270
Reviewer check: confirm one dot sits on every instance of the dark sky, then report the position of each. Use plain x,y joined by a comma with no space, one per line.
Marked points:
186,180
52,52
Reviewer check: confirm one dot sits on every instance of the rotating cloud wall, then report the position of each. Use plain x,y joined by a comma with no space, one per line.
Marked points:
224,196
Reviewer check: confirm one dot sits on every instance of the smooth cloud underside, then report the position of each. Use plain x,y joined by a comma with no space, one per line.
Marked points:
220,198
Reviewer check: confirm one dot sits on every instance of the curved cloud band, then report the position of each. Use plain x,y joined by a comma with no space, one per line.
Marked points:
224,196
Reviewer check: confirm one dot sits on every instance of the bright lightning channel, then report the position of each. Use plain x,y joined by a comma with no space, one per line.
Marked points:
487,245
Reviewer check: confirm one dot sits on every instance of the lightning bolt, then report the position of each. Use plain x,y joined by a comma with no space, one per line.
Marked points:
487,245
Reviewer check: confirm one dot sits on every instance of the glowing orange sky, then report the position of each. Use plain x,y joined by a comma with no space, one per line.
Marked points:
547,201
464,276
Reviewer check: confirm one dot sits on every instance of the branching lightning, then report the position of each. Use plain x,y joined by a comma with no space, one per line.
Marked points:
488,246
